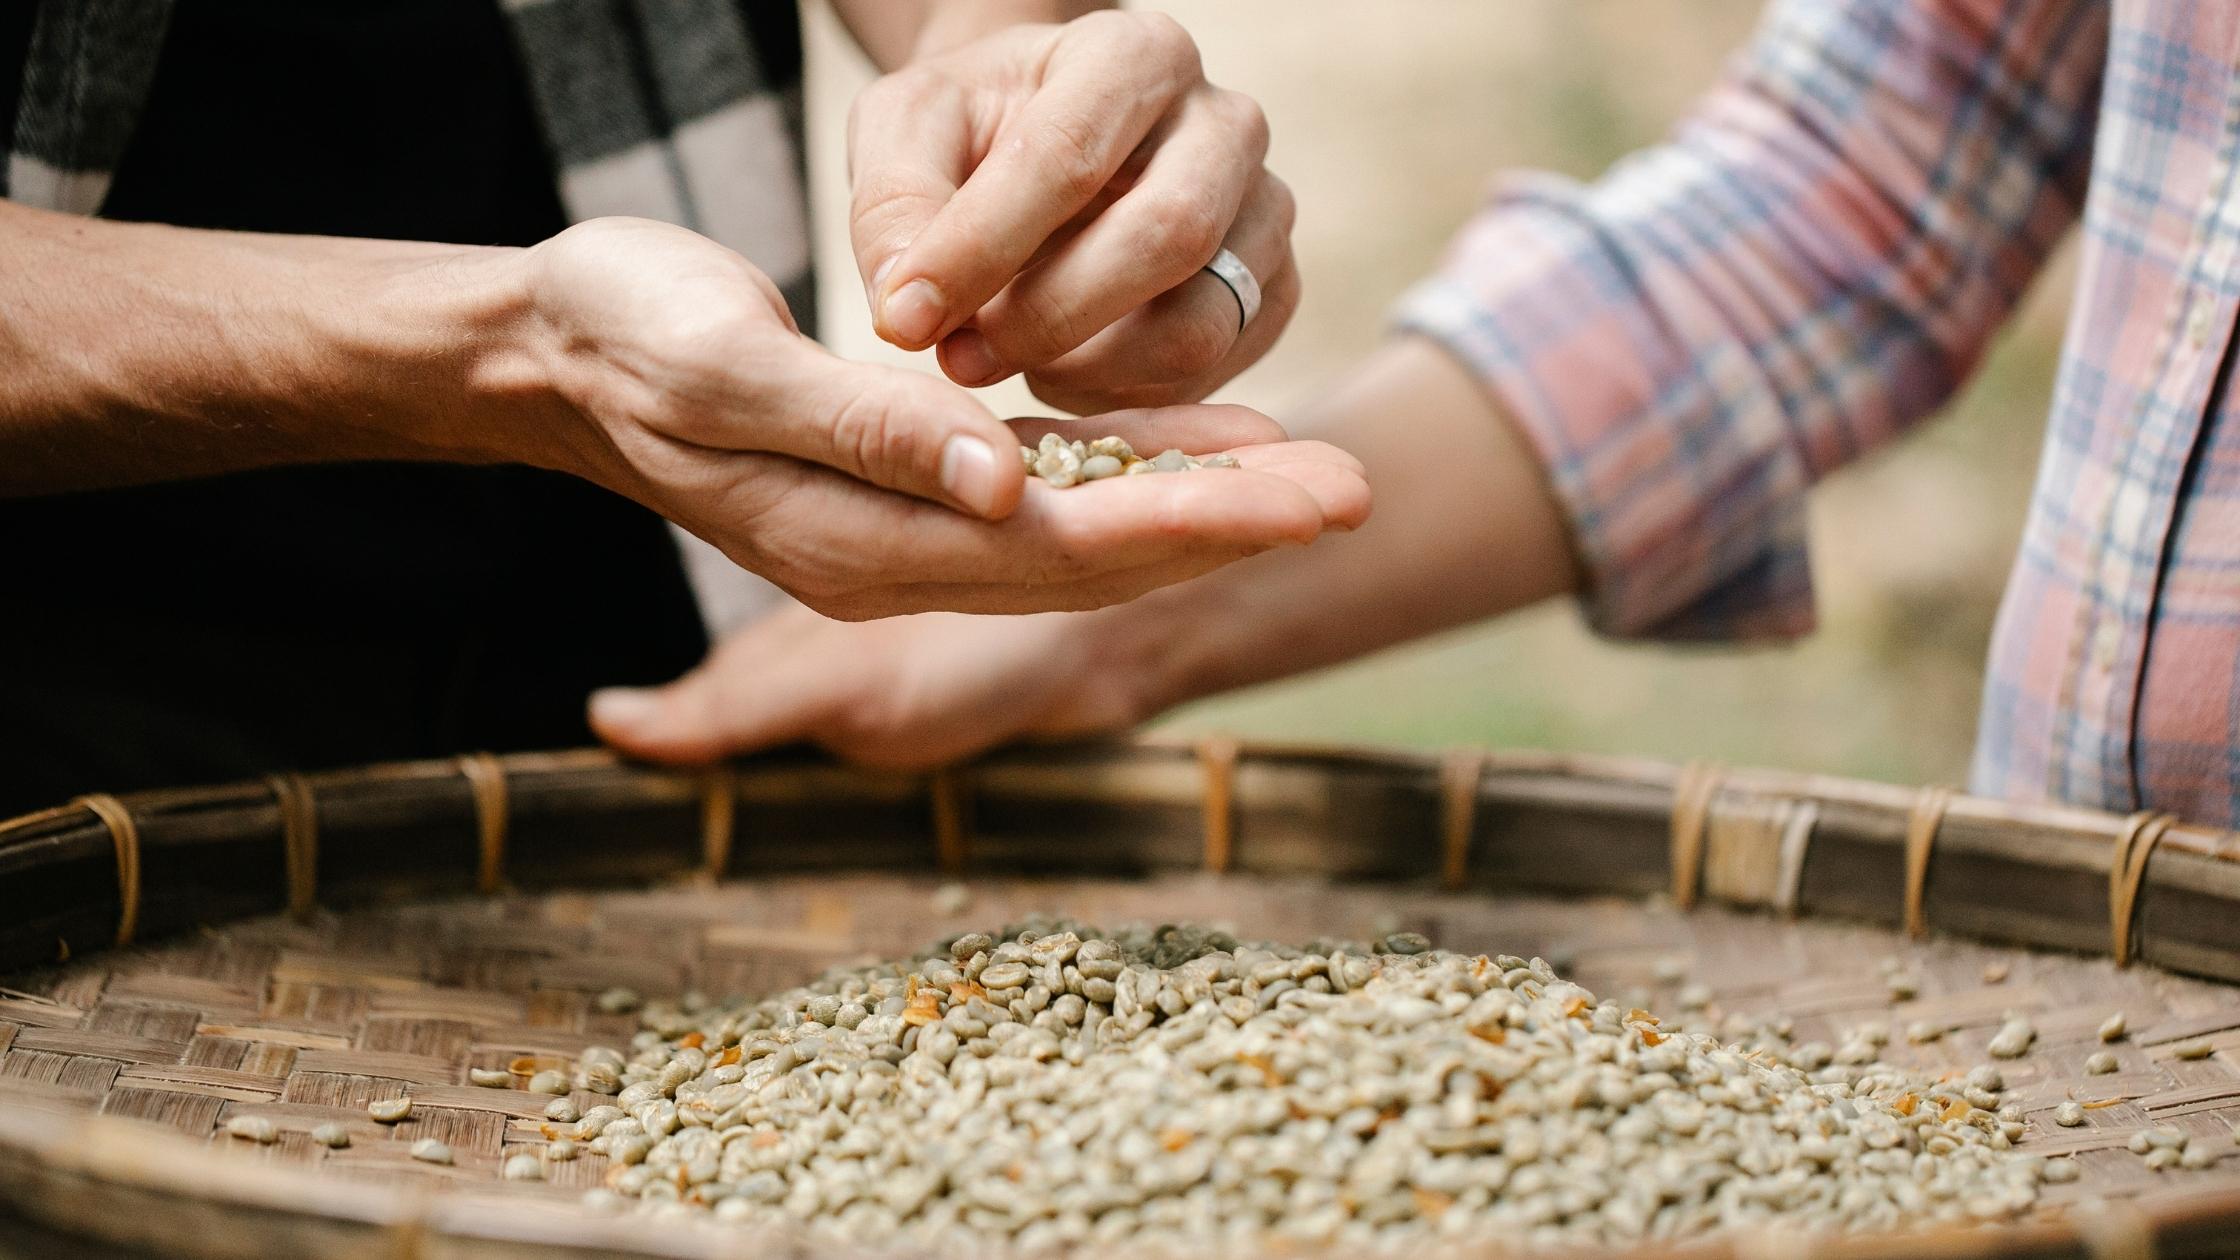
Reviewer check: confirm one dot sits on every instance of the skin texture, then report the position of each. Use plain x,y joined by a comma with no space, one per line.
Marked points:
1468,528
662,366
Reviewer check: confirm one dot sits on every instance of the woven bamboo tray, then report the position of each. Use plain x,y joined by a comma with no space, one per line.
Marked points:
320,941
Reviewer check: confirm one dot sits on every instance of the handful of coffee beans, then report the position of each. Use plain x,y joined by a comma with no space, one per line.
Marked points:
1063,463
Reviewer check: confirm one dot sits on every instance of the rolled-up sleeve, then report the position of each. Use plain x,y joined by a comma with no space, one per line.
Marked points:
1815,260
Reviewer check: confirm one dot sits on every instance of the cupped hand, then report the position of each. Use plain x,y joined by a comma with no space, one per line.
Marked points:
1044,200
684,384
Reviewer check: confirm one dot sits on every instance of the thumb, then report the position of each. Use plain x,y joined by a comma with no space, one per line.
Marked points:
691,721
899,429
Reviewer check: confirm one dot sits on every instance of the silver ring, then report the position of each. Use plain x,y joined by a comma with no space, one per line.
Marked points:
1231,271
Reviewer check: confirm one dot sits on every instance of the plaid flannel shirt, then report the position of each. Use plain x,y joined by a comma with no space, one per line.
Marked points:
1816,260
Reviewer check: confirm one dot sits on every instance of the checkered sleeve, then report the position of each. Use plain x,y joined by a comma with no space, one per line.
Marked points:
1813,261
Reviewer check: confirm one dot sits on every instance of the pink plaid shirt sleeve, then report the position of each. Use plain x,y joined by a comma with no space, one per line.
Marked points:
1814,261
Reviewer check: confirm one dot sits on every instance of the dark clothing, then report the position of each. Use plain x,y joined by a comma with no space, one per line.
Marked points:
298,618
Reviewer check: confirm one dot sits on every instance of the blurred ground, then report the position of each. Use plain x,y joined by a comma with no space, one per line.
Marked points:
1387,120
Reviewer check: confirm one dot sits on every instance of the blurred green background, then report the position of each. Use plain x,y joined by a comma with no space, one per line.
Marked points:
1388,119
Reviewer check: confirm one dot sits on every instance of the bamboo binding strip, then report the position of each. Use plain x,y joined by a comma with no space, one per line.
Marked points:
1797,822
124,834
719,813
951,819
1461,771
1217,756
486,778
299,840
1693,792
1922,824
2127,867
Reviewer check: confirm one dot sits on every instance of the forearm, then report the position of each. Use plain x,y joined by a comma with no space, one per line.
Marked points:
1465,527
135,352
894,32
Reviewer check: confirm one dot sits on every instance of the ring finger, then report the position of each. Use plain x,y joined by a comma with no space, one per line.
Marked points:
1278,302
1188,331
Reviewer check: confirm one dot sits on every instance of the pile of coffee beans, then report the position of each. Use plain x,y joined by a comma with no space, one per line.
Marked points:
1051,1086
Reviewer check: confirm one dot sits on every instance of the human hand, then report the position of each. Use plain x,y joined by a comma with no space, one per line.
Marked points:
680,381
903,693
1044,200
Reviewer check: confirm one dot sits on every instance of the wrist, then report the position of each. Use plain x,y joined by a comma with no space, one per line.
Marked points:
456,359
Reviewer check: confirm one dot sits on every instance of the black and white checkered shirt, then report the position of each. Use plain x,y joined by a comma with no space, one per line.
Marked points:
660,109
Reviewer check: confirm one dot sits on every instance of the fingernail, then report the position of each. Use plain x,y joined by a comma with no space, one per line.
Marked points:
968,473
879,280
623,706
914,312
969,359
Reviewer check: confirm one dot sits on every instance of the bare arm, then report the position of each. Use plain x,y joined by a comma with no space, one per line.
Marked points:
133,353
1465,528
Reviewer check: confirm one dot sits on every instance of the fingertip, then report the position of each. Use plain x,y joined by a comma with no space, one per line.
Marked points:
1303,451
1341,495
632,719
969,360
982,477
911,315
1307,522
624,708
1350,509
1014,491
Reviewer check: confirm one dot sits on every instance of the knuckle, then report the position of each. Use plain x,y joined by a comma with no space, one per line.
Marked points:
1038,326
1165,38
870,437
1072,150
876,189
1250,120
904,91
1186,228
1283,302
888,92
1284,204
882,212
